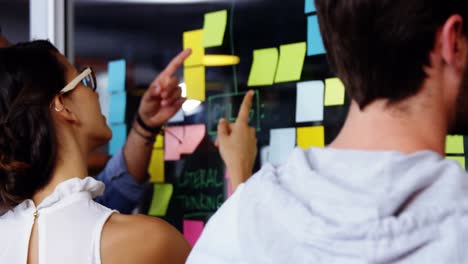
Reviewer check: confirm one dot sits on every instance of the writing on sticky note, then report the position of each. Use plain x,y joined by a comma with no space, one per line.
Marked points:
195,81
180,140
454,144
314,37
156,166
194,40
119,136
118,102
282,143
291,62
311,137
459,160
214,28
309,6
334,92
263,68
192,231
309,101
162,194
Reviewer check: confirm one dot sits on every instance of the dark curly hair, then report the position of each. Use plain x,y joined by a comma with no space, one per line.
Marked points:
30,77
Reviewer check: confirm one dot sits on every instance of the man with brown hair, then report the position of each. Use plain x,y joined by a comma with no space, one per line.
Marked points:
382,191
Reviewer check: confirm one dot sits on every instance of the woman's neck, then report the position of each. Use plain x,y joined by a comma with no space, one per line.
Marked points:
71,163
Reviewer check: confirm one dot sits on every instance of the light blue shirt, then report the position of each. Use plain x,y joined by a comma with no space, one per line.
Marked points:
122,192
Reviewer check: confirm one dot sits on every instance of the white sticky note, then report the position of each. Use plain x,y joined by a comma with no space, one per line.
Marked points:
178,117
282,143
309,101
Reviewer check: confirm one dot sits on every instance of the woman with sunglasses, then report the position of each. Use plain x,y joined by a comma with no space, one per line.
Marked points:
50,121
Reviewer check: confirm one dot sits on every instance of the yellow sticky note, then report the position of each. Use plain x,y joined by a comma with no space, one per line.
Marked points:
194,40
311,137
460,160
454,145
159,143
334,92
291,62
214,28
162,194
195,81
156,166
263,67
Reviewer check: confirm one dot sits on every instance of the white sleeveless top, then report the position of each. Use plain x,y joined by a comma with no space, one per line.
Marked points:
69,225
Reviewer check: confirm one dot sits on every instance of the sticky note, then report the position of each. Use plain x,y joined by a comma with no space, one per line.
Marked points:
195,81
334,92
192,231
178,117
454,144
116,72
291,61
118,102
263,67
309,101
309,6
314,37
119,136
156,166
282,143
311,137
214,28
162,194
180,140
460,160
194,40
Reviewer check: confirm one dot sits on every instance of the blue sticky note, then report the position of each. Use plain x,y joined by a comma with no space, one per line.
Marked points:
309,6
119,136
116,76
314,38
117,108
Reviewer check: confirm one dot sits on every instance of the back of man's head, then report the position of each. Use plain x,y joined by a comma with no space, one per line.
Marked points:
379,47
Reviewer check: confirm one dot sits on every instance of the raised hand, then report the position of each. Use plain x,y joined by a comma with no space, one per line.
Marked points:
163,98
237,144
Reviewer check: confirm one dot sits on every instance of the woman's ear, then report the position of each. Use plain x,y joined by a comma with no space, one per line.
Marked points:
59,110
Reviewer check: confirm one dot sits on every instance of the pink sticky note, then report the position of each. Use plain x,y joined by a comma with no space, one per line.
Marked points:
192,231
226,175
180,140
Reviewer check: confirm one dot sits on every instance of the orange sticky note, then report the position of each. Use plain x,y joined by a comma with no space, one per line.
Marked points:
311,137
180,140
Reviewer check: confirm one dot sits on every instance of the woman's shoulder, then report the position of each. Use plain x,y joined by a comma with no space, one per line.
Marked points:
141,239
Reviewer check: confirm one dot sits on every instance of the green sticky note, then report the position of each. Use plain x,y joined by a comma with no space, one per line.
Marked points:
263,67
334,92
454,145
162,194
291,62
460,160
214,28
